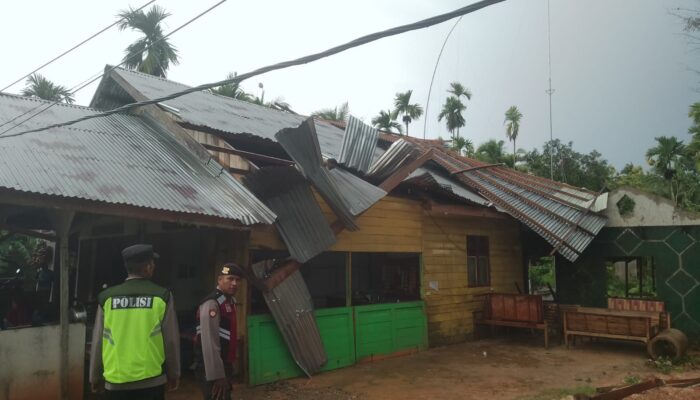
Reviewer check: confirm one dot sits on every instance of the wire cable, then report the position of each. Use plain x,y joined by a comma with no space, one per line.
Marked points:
89,81
286,64
72,48
437,62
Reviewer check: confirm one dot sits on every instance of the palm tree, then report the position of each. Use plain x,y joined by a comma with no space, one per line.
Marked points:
459,90
665,158
151,54
339,113
512,122
232,90
463,146
452,113
491,151
403,105
386,121
38,86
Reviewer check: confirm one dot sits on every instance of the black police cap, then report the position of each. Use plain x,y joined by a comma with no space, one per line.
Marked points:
139,253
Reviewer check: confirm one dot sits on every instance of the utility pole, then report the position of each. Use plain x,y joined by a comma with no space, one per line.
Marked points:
550,91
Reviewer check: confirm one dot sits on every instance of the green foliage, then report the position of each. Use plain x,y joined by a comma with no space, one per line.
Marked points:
463,146
512,122
632,379
39,86
625,206
409,111
339,113
541,274
667,365
452,114
15,252
151,54
232,90
491,152
386,121
590,170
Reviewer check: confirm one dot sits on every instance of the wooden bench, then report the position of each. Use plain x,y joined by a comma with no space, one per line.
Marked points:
513,310
609,323
655,308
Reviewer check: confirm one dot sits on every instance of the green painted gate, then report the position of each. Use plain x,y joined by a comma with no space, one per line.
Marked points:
379,329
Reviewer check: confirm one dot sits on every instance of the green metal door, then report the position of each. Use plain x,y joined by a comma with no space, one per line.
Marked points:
270,360
383,329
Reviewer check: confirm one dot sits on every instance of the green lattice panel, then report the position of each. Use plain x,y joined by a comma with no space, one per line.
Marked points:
679,241
682,282
628,241
686,324
659,233
691,261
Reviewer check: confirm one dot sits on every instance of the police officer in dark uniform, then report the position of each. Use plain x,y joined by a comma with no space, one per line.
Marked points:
216,340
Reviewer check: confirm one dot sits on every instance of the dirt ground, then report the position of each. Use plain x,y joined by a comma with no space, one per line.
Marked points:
501,368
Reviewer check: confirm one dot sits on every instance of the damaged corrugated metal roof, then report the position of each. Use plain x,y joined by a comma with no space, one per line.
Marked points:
428,177
300,221
208,110
396,155
120,159
359,146
357,194
302,145
536,202
292,308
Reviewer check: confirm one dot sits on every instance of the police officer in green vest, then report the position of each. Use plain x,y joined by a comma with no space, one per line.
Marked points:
135,342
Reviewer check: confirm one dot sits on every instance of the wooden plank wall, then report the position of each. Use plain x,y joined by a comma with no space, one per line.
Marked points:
225,159
450,307
393,225
396,224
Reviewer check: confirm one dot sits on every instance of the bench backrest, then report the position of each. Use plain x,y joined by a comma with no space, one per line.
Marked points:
513,307
622,304
612,324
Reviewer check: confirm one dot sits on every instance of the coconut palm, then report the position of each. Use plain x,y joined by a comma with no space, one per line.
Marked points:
386,121
339,113
232,90
463,146
152,53
452,113
403,105
38,86
512,122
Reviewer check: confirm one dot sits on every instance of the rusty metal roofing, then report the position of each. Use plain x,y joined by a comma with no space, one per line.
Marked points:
292,308
300,221
537,202
120,159
302,145
205,109
359,145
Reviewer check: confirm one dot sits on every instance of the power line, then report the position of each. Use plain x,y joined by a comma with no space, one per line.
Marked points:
550,92
286,64
72,48
430,89
92,79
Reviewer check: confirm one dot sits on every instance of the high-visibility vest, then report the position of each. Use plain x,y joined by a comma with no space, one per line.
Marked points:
132,340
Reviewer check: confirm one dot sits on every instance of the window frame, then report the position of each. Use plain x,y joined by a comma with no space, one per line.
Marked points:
480,253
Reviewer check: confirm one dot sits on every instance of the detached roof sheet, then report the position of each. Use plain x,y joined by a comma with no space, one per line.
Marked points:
429,177
208,110
120,159
300,221
359,145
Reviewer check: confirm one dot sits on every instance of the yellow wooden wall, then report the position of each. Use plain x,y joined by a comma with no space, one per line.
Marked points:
450,307
397,224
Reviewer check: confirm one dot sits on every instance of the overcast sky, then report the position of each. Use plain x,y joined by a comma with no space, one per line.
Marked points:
621,69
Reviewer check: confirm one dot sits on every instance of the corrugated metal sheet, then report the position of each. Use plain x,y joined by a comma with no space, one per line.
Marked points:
396,155
359,145
292,308
357,194
208,110
302,145
120,159
569,228
427,177
300,221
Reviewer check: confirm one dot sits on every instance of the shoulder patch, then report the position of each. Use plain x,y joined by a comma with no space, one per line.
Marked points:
212,313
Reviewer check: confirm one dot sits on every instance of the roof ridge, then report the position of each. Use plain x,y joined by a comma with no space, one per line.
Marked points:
40,100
